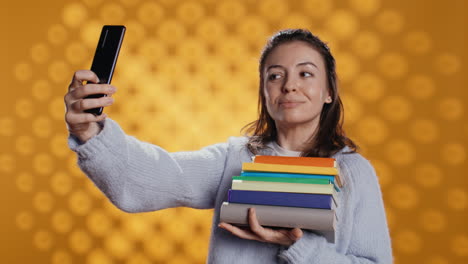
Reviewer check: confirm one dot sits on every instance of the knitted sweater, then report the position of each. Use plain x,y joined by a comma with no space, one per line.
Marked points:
140,177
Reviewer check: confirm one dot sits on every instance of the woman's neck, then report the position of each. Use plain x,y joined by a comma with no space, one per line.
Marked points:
294,138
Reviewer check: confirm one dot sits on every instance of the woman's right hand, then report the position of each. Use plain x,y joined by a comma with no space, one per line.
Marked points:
79,123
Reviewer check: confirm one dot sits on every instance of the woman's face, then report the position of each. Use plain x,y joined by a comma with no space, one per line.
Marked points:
295,84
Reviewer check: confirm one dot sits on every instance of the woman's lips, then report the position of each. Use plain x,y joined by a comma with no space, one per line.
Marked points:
289,104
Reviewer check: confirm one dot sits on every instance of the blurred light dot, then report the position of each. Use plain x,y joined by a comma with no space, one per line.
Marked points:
389,21
150,13
417,42
76,53
43,163
190,12
24,108
80,242
22,71
372,130
59,71
407,241
457,199
43,240
317,8
272,9
25,145
57,144
347,66
61,183
369,86
453,153
57,34
128,2
25,182
62,221
7,126
171,31
424,131
7,163
352,108
43,202
250,24
393,65
294,20
400,152
74,14
403,196
136,227
57,108
231,49
343,24
99,223
420,86
231,11
93,3
396,108
118,245
155,49
211,30
157,248
80,203
433,220
451,108
24,220
90,32
99,256
383,172
447,63
365,7
41,90
135,35
40,53
61,257
366,44
113,13
428,175
459,245
42,126
436,260
139,258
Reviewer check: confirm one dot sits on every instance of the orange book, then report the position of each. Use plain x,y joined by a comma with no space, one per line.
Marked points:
301,161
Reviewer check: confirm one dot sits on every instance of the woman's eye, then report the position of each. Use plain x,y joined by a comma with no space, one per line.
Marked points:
274,76
306,74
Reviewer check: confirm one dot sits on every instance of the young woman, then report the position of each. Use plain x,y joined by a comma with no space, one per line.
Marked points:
300,115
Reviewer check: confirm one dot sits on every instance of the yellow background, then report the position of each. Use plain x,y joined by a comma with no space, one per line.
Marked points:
187,77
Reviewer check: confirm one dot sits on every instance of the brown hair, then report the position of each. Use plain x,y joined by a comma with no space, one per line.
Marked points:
330,137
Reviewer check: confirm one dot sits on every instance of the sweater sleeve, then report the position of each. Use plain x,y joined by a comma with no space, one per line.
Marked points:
369,240
138,177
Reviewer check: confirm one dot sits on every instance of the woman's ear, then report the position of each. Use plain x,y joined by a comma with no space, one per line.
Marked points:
328,100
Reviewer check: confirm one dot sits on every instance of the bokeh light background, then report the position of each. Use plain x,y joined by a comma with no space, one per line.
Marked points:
187,77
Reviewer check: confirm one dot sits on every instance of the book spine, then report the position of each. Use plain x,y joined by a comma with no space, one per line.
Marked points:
331,178
323,201
282,187
283,179
302,161
248,166
320,220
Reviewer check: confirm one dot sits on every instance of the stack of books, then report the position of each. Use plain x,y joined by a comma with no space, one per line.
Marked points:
286,192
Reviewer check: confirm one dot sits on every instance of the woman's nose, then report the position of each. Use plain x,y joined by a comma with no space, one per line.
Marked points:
290,85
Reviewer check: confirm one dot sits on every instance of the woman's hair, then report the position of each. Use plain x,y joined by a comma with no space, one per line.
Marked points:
330,136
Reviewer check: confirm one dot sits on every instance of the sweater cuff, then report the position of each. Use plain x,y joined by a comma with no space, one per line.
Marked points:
91,147
303,249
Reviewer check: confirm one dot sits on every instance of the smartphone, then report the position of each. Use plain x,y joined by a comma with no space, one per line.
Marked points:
105,58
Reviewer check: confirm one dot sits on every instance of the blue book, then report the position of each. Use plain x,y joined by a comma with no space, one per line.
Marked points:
331,178
322,201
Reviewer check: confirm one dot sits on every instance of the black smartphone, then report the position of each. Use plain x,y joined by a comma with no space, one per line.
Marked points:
105,58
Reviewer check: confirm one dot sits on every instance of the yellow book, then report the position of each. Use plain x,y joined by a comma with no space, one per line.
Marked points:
280,168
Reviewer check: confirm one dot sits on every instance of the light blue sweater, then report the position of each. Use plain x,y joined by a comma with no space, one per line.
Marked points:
140,177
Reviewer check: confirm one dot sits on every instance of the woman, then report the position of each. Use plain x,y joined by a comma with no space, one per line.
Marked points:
300,115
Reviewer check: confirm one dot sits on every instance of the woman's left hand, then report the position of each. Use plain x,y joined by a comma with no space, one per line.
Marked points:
257,232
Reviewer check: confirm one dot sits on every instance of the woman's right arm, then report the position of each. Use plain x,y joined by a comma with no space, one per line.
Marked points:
138,176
